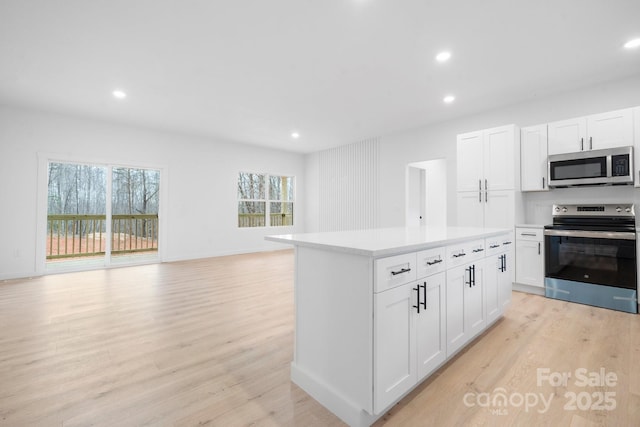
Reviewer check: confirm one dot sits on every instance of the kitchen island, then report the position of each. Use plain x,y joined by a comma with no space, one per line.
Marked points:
378,311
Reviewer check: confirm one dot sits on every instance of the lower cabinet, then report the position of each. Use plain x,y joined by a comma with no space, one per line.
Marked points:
530,257
466,312
498,278
409,341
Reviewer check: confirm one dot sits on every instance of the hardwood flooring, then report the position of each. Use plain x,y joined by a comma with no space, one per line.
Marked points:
209,342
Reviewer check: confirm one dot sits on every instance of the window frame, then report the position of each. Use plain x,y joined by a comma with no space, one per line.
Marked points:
267,200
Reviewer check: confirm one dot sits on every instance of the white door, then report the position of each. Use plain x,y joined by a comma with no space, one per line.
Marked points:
470,209
457,279
430,325
469,165
474,308
568,136
612,129
530,263
533,158
499,158
505,282
500,209
492,276
394,344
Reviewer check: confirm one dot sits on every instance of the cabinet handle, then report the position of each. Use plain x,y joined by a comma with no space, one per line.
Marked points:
465,273
486,187
528,234
424,295
590,143
404,270
486,197
543,182
581,144
417,289
477,250
538,248
473,270
493,246
480,191
506,243
504,263
437,261
459,255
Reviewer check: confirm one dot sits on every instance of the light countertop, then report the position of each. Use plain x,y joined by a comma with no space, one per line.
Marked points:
381,242
530,225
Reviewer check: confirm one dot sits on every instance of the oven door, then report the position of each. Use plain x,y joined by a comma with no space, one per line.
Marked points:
597,257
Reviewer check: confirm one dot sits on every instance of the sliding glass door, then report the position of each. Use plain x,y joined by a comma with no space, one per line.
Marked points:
97,215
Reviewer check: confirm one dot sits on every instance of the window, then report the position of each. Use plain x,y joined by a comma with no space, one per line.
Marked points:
256,202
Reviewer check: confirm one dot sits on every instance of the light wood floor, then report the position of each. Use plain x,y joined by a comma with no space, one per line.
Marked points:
209,342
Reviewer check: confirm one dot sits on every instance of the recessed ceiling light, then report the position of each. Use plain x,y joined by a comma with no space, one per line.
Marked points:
119,94
449,99
632,44
443,56
295,135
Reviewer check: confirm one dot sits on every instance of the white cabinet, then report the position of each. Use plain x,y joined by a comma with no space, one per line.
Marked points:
487,176
409,325
636,161
530,256
533,158
493,209
499,275
487,160
597,131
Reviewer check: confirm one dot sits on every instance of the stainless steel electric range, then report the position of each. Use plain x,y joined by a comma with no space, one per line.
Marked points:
590,256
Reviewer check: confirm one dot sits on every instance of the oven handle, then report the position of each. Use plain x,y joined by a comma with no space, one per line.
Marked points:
620,235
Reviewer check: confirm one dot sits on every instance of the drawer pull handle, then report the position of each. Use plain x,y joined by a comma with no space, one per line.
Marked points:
459,255
437,261
494,246
528,234
506,243
404,270
477,250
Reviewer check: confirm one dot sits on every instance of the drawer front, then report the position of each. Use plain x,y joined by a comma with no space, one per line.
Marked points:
499,244
465,252
431,261
394,271
535,234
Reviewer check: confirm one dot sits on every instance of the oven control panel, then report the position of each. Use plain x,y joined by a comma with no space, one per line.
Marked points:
623,209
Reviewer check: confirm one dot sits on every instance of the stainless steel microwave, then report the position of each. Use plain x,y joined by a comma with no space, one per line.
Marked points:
612,166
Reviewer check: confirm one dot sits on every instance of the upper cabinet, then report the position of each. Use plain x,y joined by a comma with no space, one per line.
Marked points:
533,158
487,159
605,130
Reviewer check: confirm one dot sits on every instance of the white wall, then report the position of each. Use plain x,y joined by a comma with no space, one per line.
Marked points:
201,202
439,142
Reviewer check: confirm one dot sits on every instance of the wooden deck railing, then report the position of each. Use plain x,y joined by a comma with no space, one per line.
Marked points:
72,236
257,220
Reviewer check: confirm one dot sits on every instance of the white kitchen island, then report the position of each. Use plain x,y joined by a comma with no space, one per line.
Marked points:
377,311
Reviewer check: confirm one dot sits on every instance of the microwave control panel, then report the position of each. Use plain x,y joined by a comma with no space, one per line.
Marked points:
620,165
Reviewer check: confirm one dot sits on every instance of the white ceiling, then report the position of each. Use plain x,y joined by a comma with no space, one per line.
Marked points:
337,71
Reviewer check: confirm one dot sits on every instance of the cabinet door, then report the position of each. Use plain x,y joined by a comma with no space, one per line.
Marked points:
505,281
430,325
492,277
530,263
499,158
471,209
636,145
474,302
469,166
457,279
533,158
612,129
567,136
499,211
394,344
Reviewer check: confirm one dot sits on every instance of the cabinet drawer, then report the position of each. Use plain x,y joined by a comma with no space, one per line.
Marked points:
394,271
431,261
499,244
464,252
535,234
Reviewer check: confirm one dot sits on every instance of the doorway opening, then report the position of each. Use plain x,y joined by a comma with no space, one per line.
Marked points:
426,194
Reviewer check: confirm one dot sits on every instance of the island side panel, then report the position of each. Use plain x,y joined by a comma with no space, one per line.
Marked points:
334,329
